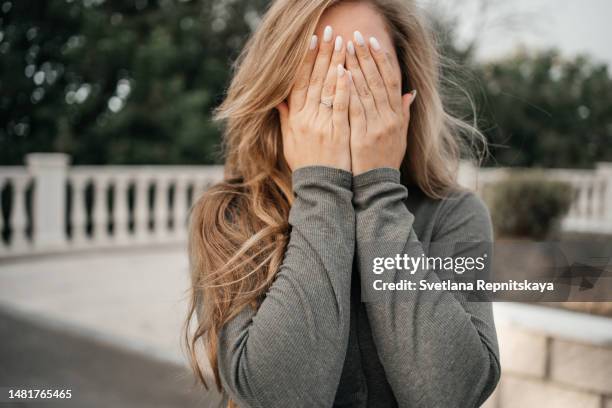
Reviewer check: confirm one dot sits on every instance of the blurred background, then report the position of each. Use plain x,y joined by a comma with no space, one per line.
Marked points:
106,140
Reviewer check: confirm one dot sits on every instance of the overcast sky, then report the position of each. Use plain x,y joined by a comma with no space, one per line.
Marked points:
574,26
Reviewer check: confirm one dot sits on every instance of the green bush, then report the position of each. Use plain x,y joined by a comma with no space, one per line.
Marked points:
527,205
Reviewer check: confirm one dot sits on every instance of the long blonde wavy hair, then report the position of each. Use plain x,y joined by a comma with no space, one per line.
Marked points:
238,228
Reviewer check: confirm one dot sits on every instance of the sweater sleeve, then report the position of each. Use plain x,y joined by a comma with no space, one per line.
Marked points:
290,352
437,349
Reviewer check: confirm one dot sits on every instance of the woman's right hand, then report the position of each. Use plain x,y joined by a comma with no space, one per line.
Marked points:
313,133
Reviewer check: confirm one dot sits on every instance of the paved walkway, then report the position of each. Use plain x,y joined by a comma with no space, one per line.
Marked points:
137,296
98,375
134,299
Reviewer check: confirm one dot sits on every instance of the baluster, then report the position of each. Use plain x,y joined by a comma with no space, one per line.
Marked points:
573,211
100,210
141,208
3,246
180,207
190,192
121,210
79,204
583,203
598,198
583,199
18,216
198,189
604,173
594,204
160,212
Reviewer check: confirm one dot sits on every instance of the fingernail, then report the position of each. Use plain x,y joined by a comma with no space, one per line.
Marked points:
327,34
340,70
338,45
313,42
374,43
350,74
350,47
359,38
414,94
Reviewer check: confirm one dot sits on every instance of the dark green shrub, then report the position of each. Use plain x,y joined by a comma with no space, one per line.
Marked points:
528,205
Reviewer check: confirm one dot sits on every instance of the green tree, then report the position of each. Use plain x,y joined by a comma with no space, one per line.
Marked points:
117,81
543,110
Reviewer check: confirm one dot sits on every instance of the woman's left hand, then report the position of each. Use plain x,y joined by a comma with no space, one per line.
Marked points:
378,113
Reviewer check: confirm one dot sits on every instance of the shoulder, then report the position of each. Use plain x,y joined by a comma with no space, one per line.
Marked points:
463,202
460,213
464,213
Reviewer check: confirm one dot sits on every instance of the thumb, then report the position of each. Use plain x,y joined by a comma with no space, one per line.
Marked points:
407,100
283,113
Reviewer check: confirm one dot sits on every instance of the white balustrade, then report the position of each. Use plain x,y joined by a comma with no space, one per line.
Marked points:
175,188
131,210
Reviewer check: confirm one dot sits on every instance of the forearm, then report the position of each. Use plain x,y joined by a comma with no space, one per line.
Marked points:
436,349
291,350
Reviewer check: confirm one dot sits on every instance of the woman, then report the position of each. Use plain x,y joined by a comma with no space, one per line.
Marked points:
330,160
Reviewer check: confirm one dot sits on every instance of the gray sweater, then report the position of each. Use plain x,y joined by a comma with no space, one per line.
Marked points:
314,343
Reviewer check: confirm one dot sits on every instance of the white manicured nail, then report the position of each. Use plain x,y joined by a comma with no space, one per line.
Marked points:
338,45
313,42
340,70
374,43
350,74
327,34
414,95
359,38
350,47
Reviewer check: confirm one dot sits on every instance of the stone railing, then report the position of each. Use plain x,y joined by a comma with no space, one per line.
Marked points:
552,358
49,206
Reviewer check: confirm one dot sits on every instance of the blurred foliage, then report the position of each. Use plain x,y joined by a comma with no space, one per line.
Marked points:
546,111
134,81
537,109
527,204
116,81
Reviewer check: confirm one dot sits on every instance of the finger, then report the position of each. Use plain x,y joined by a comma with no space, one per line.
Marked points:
370,72
297,96
389,75
341,103
319,72
357,119
329,86
407,100
363,91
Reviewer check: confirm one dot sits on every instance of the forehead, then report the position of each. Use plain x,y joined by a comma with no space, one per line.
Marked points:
346,17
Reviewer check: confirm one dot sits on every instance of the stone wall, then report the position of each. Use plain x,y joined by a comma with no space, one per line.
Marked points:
544,367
